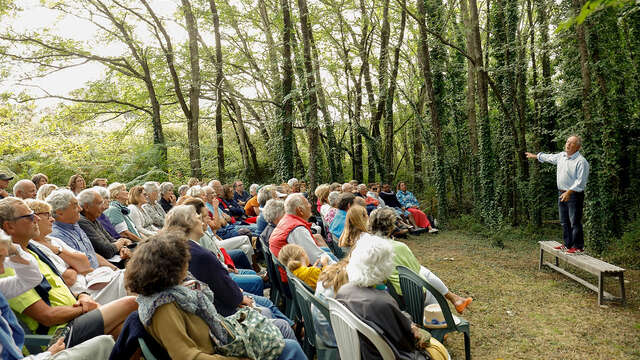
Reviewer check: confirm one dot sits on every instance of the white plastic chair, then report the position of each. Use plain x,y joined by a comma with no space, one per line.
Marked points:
346,327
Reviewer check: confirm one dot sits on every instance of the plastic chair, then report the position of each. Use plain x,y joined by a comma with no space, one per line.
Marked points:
145,350
275,292
413,289
312,344
36,344
346,326
287,292
394,294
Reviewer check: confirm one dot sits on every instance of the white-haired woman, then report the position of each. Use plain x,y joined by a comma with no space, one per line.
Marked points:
167,197
272,213
153,207
118,213
369,266
252,207
142,221
382,223
45,190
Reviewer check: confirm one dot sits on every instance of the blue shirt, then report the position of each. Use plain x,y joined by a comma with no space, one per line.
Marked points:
337,225
407,199
73,236
572,171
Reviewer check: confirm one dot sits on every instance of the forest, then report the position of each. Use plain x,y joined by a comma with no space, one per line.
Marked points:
445,95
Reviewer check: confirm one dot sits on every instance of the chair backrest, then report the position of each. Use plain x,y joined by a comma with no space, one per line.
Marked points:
346,327
280,269
145,350
303,299
394,294
413,290
271,268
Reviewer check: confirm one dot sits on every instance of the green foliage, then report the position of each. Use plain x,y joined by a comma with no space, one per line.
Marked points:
591,7
626,250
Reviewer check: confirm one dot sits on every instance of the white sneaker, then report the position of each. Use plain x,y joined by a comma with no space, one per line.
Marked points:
433,230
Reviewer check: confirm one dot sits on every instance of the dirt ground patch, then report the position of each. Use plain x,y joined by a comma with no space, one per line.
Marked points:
519,312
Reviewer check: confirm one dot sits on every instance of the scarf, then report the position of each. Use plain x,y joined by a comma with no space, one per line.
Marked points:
123,209
195,302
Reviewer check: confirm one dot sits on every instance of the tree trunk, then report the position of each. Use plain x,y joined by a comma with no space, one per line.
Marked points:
219,84
285,160
194,92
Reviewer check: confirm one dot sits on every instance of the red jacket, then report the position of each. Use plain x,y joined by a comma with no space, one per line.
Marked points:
280,234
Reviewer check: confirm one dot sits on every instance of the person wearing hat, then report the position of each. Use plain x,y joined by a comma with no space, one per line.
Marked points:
4,184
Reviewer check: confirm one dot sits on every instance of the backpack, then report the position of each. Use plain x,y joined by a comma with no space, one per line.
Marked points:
254,336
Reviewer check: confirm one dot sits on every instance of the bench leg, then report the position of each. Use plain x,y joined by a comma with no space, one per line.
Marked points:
557,261
600,289
621,279
467,346
541,259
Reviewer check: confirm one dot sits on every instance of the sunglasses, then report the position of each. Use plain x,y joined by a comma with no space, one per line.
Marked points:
31,217
45,215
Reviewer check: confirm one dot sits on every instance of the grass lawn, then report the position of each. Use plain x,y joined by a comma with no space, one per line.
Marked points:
519,312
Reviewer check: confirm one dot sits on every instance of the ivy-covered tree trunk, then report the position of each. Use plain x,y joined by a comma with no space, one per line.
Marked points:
285,159
219,93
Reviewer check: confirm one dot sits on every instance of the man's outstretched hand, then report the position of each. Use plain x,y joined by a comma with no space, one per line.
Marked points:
531,156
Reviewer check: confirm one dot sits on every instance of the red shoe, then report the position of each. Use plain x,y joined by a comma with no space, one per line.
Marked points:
574,250
561,248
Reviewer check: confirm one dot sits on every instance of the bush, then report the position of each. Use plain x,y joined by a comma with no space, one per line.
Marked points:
626,250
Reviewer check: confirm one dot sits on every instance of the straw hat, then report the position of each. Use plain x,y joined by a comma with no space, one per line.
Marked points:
433,318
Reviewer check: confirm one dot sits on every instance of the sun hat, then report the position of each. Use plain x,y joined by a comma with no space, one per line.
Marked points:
433,318
5,176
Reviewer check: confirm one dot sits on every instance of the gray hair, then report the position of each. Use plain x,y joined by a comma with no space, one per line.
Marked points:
183,188
20,184
362,186
87,196
333,198
45,190
8,208
195,191
205,188
115,188
180,218
382,221
166,187
292,181
273,210
60,200
346,186
254,187
102,191
151,186
264,195
293,202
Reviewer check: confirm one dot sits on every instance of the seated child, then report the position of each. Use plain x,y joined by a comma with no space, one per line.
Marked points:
294,257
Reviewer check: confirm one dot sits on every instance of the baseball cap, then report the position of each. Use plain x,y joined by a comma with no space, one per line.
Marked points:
5,176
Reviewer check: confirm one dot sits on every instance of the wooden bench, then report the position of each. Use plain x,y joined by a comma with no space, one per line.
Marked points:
587,263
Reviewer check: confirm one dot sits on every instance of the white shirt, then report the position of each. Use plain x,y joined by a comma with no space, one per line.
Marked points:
27,276
572,172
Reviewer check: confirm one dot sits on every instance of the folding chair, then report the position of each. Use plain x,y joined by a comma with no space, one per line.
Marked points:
312,343
346,326
413,289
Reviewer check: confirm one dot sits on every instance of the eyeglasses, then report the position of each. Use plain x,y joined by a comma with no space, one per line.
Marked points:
44,215
31,217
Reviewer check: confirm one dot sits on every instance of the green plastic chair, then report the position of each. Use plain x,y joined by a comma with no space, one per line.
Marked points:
413,291
36,344
312,343
145,350
275,292
291,309
397,297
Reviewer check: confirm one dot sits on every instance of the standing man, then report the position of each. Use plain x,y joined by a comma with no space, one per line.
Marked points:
571,177
4,183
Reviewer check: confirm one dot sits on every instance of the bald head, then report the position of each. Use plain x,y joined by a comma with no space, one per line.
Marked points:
25,189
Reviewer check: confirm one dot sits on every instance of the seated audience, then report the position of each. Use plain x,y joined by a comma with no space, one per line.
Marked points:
391,200
27,276
331,212
293,228
295,259
141,220
51,305
93,205
76,184
345,201
370,264
329,282
103,219
183,319
234,209
103,284
118,213
167,197
347,188
292,182
45,190
101,182
153,208
66,213
374,193
335,187
193,182
272,213
355,226
371,203
4,183
206,267
39,180
265,194
252,207
182,190
24,189
322,193
382,223
409,202
239,194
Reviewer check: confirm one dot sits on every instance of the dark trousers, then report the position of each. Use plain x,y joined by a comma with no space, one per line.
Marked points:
571,220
